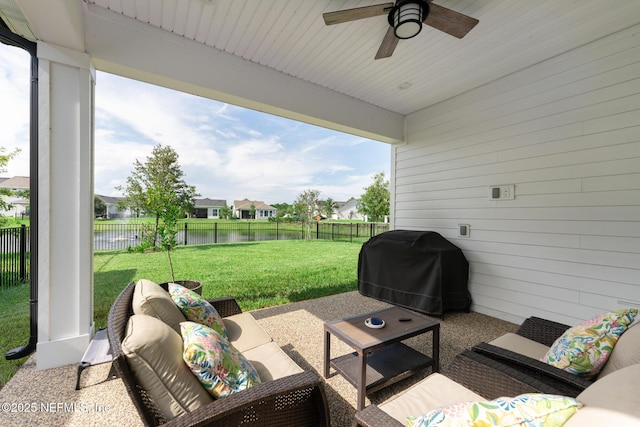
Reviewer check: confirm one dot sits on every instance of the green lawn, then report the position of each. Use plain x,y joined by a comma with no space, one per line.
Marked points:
258,274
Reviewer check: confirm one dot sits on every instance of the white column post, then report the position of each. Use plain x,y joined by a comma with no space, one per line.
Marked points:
65,186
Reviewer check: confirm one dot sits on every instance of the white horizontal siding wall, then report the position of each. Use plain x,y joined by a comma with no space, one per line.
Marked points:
566,133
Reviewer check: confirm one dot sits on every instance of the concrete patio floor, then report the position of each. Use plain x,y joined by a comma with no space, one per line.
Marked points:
49,398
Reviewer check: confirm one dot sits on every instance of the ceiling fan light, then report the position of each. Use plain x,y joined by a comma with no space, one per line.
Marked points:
406,18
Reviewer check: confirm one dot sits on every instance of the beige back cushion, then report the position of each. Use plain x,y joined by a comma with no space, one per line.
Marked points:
150,299
626,352
599,417
610,401
163,374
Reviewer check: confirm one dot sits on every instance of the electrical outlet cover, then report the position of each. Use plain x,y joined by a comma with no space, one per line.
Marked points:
508,192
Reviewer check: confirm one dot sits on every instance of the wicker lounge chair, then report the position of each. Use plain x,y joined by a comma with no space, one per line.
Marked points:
297,399
535,335
611,400
471,371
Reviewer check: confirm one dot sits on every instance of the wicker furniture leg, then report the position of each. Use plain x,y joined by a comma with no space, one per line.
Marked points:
362,380
327,353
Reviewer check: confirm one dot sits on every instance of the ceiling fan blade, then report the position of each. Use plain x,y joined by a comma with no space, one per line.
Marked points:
340,16
449,21
388,45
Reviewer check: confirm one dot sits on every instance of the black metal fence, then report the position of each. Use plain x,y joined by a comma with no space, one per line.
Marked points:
123,236
353,232
14,241
14,256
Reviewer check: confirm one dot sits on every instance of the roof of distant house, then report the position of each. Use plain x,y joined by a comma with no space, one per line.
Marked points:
16,183
109,200
207,202
246,204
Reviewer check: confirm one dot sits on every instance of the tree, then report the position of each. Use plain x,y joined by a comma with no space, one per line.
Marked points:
23,194
4,161
374,203
306,206
157,188
283,209
329,206
168,229
99,208
225,212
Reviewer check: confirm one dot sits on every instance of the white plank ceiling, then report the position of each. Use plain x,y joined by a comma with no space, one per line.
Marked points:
290,36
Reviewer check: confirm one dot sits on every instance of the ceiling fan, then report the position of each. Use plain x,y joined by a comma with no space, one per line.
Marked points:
405,20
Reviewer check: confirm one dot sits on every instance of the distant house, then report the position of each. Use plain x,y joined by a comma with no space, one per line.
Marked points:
349,210
208,208
19,205
242,209
112,210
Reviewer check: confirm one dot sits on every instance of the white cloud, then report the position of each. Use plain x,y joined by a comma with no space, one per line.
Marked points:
14,108
227,152
231,153
338,168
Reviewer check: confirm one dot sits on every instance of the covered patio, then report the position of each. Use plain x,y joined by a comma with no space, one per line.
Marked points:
540,100
297,328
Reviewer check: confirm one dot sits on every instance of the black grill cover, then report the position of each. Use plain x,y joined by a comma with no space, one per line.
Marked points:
420,270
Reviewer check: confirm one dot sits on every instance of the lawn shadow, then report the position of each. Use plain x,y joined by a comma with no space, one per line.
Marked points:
107,286
220,246
322,291
116,279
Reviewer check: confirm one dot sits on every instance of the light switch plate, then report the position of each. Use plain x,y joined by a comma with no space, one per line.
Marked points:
502,192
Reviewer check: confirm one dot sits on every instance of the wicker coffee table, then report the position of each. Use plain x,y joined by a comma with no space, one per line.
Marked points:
380,358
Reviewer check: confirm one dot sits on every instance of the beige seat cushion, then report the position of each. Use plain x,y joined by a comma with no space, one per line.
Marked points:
434,391
150,299
625,353
271,362
610,401
244,332
521,345
162,373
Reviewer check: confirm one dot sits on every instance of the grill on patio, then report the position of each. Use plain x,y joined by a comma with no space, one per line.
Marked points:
420,270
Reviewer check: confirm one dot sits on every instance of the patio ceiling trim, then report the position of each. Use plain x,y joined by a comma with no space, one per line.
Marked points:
58,22
126,47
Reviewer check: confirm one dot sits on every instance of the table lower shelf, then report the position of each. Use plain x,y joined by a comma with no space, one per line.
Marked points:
385,366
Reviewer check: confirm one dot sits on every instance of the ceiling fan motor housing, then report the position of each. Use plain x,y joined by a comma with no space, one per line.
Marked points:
406,18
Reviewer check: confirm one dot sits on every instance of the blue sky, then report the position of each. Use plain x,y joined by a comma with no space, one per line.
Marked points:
227,152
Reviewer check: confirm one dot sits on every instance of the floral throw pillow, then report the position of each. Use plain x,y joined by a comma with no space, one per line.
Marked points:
526,410
196,308
219,366
584,349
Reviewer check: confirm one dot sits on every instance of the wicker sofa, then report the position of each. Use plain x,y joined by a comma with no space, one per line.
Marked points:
611,400
147,355
523,349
